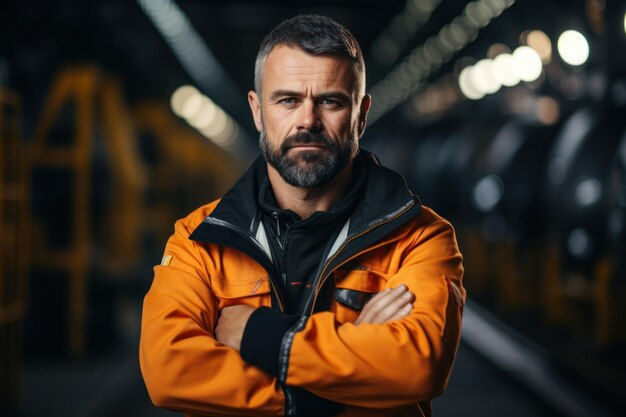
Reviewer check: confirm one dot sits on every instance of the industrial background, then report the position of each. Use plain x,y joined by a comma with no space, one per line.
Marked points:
507,117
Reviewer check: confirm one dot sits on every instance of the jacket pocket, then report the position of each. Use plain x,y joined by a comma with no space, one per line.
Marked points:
352,298
254,292
353,289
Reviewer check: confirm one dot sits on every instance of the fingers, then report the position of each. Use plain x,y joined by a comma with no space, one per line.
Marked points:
403,312
369,311
401,300
390,304
386,305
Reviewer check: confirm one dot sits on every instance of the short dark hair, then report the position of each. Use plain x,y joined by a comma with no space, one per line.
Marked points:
315,35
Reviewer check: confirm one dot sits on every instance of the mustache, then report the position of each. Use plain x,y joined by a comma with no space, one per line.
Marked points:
306,138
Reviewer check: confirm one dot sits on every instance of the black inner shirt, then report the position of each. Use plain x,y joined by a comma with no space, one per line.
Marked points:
299,246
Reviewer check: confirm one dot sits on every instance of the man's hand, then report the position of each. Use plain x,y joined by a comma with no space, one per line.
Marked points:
231,323
390,304
387,305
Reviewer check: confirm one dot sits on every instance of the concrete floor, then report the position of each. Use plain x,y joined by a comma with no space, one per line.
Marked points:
112,386
477,388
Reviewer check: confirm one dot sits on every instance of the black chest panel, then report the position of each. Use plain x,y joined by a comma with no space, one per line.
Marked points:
299,248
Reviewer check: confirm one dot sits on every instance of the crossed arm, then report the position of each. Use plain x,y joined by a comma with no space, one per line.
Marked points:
389,304
189,363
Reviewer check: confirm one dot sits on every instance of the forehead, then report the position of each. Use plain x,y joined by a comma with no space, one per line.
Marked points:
290,67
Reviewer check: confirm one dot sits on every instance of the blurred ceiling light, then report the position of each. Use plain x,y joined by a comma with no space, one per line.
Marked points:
579,243
436,98
573,47
497,49
191,50
478,13
457,34
466,32
205,116
192,105
482,76
416,60
488,76
432,51
507,141
624,22
557,169
504,70
218,128
406,72
220,121
391,42
540,42
488,192
447,38
588,191
180,96
496,6
596,15
571,137
466,86
425,6
447,45
228,133
547,110
528,63
464,28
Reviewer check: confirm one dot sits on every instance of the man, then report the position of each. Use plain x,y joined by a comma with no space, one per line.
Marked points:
318,285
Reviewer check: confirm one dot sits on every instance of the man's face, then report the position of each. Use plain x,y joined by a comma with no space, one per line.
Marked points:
308,116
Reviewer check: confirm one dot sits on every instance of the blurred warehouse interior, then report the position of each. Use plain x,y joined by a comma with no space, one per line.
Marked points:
119,117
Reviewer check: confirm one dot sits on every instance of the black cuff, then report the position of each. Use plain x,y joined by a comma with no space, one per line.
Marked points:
262,337
310,405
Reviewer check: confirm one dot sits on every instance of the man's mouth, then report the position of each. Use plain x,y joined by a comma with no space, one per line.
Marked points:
309,145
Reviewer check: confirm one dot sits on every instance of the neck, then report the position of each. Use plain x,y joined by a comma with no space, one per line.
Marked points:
305,201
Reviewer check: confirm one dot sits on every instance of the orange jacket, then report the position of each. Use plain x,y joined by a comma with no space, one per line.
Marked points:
387,369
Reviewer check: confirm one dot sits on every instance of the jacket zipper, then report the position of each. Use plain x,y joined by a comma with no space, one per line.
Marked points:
222,223
280,303
323,277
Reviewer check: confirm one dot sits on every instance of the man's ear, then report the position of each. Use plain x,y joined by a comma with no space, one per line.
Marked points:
255,106
366,102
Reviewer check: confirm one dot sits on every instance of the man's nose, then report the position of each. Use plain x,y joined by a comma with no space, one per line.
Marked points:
308,117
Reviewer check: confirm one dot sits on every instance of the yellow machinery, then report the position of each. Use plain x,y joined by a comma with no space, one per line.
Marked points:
187,168
77,90
142,196
14,245
92,100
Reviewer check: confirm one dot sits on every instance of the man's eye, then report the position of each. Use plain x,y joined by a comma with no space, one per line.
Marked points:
330,102
288,100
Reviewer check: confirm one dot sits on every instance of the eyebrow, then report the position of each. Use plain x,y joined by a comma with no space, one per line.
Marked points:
327,94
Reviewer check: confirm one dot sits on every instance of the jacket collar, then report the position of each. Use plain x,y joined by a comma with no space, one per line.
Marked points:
385,192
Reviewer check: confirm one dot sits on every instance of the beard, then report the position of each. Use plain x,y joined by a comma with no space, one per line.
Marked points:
308,169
